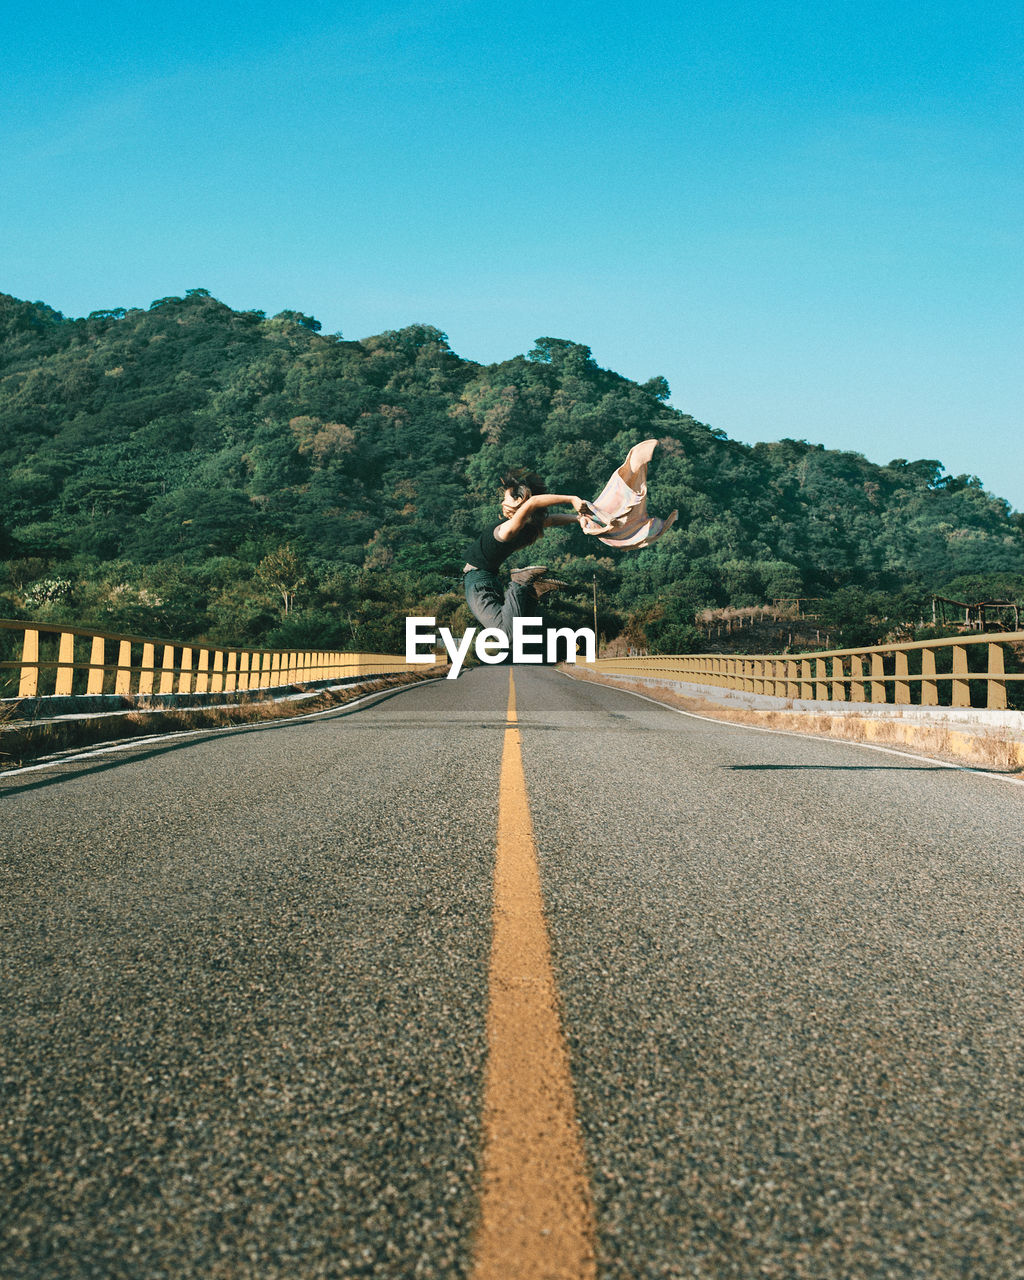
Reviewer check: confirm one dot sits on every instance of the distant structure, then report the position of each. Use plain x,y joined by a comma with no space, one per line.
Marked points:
983,615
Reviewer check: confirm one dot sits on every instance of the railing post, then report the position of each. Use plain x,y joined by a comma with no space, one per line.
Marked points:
167,670
28,684
856,678
901,693
961,688
217,683
185,676
203,672
66,669
838,680
821,680
231,681
929,685
97,657
996,687
123,679
806,689
792,687
148,671
877,678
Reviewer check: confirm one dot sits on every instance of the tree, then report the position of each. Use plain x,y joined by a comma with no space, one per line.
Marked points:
565,355
303,321
658,387
285,573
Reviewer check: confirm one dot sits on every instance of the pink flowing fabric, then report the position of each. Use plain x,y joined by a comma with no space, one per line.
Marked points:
621,506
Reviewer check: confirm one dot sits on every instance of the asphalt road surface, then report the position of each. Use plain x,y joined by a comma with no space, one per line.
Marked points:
245,985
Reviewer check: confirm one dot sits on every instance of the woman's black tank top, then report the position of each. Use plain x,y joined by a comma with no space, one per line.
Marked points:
486,552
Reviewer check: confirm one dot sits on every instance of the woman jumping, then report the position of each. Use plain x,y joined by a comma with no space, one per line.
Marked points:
524,507
618,517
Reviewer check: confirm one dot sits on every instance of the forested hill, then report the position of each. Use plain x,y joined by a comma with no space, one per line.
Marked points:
170,470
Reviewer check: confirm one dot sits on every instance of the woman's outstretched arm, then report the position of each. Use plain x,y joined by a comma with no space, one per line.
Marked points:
530,508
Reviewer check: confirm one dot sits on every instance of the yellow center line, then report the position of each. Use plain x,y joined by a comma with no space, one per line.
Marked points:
537,1217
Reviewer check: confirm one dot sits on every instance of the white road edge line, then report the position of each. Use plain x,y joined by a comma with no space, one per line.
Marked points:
793,733
194,733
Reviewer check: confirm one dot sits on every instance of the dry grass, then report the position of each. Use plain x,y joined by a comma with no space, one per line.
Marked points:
747,615
995,749
22,743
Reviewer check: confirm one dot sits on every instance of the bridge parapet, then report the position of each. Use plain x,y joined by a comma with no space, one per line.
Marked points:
954,672
43,659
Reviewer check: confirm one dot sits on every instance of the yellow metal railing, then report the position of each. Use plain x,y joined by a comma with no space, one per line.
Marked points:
938,672
68,661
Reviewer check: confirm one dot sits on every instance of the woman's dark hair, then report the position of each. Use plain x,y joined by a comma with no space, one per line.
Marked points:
525,484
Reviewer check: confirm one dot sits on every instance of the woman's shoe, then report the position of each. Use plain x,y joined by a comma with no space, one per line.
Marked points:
541,585
529,574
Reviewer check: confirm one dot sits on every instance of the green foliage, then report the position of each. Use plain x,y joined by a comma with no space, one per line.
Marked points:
285,573
153,464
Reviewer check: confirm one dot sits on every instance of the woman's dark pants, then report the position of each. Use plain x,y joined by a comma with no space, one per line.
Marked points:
494,606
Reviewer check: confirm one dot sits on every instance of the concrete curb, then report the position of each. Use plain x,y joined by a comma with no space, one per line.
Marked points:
962,735
22,741
39,710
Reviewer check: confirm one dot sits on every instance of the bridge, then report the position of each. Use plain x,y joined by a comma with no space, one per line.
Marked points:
522,974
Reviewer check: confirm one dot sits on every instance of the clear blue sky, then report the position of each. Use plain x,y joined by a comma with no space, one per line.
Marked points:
806,217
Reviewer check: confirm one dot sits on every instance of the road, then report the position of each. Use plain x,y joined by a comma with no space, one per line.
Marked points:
247,974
